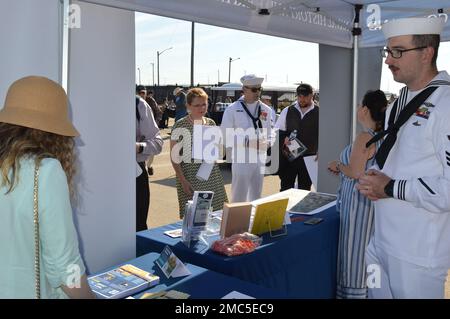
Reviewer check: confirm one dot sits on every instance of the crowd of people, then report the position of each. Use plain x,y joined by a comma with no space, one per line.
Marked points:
394,179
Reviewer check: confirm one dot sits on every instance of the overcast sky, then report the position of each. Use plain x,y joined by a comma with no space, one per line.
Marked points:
276,59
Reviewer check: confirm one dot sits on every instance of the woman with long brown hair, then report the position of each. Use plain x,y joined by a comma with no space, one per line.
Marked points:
38,242
356,211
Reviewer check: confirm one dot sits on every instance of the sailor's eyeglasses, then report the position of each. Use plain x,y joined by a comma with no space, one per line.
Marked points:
254,90
397,53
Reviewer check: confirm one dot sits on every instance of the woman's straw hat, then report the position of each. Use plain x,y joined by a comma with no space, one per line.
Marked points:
39,103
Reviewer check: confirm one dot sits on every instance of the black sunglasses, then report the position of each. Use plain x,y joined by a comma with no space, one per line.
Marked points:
254,90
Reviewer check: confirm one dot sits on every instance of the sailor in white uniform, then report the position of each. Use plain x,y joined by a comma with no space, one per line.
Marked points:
251,121
410,248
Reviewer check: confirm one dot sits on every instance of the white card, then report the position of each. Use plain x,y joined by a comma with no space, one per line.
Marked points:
175,233
312,168
204,171
206,141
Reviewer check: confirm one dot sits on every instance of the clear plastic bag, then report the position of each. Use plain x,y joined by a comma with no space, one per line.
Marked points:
237,244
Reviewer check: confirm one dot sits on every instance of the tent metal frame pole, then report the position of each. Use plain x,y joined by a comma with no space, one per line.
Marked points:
64,53
355,88
356,33
192,51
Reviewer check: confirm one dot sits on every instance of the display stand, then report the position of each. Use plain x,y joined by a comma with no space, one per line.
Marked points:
195,219
277,232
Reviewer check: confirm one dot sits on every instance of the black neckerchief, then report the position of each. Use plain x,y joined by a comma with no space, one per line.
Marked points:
255,120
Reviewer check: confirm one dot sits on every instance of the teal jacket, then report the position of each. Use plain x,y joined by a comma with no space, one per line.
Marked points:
61,263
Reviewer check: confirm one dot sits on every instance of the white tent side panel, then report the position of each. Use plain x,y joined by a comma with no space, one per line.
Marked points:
30,41
101,90
335,115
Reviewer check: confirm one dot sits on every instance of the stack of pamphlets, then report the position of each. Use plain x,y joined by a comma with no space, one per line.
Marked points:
122,282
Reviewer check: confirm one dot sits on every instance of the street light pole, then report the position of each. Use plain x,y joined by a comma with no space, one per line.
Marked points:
139,70
153,72
157,60
229,68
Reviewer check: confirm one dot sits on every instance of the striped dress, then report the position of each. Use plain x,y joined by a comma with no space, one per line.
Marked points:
214,183
356,221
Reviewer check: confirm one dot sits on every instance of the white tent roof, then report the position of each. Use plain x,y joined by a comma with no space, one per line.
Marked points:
321,21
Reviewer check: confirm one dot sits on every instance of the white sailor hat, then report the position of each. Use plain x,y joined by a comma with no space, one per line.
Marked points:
251,80
412,26
177,90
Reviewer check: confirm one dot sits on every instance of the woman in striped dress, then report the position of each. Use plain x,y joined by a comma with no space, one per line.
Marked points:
181,154
356,211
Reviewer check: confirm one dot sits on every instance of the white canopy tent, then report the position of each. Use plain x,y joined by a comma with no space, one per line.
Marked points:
321,21
100,56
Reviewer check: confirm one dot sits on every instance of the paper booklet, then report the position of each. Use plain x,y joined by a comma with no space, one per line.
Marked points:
269,216
201,206
170,265
295,148
313,203
235,218
206,142
196,216
121,282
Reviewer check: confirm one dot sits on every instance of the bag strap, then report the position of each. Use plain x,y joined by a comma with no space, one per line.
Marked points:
37,270
393,128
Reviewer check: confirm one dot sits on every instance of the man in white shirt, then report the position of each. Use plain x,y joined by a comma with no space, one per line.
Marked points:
148,143
246,126
410,247
301,117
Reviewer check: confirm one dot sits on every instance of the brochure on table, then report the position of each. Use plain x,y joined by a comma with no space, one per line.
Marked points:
170,265
174,233
278,196
269,217
295,196
196,217
121,282
313,203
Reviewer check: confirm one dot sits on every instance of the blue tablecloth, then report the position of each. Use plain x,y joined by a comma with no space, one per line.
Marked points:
301,264
201,283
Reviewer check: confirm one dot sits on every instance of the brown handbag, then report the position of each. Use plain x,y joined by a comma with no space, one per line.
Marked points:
37,270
